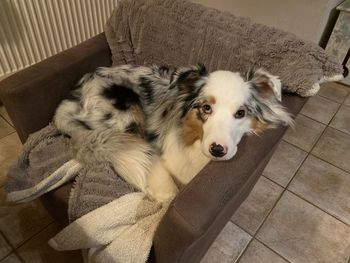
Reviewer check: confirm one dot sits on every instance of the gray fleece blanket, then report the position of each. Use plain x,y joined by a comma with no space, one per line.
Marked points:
47,161
178,32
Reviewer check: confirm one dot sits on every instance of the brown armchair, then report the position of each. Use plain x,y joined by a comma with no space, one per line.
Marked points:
206,204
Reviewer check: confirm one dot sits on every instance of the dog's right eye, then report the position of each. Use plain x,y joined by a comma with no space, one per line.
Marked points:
240,114
206,109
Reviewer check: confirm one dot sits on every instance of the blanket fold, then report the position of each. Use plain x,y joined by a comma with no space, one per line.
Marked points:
45,163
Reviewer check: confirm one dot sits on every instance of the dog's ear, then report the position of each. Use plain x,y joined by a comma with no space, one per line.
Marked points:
264,103
265,83
187,77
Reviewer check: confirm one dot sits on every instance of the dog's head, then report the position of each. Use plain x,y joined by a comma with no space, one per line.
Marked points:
227,106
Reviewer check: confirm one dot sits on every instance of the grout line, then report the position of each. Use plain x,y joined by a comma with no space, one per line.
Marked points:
324,124
333,100
34,235
257,239
296,146
7,135
245,248
338,130
273,181
8,243
18,256
313,156
308,201
243,251
3,117
340,168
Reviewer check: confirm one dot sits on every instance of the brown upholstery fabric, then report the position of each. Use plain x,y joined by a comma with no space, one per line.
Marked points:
200,211
32,95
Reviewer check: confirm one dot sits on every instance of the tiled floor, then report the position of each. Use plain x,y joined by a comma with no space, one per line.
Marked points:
299,211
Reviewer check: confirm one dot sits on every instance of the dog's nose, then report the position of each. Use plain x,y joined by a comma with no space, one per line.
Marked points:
217,150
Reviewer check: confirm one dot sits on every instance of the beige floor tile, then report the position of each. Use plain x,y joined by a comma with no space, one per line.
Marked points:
341,121
10,146
347,100
334,147
4,114
5,248
300,232
11,259
5,128
320,109
228,245
19,222
325,186
284,163
258,204
334,91
305,133
258,253
4,167
36,250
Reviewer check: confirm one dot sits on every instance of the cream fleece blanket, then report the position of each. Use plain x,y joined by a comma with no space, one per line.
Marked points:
121,231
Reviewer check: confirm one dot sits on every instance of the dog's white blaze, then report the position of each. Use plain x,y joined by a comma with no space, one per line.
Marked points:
230,92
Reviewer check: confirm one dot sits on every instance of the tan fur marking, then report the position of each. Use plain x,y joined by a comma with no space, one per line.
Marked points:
139,118
211,100
258,126
192,128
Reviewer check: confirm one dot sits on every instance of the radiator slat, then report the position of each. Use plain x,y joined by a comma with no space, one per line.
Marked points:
32,30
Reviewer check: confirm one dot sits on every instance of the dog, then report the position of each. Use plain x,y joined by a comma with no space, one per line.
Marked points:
159,126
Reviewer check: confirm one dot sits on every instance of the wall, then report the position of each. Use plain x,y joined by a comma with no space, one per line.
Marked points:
32,30
305,18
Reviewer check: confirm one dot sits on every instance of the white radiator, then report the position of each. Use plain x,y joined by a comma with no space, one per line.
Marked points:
32,30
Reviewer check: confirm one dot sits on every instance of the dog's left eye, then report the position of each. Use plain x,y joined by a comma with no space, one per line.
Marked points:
206,109
240,114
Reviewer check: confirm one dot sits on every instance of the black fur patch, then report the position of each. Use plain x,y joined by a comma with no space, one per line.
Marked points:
107,116
193,74
74,95
65,135
99,72
164,113
189,100
150,136
167,71
132,128
123,97
83,124
147,89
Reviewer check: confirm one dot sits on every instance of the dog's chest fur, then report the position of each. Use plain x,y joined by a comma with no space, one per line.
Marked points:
183,162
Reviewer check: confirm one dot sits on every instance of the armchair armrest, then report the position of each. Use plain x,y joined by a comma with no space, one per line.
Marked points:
32,95
206,204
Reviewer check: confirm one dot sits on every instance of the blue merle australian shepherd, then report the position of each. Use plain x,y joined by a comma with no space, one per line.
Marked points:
159,126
